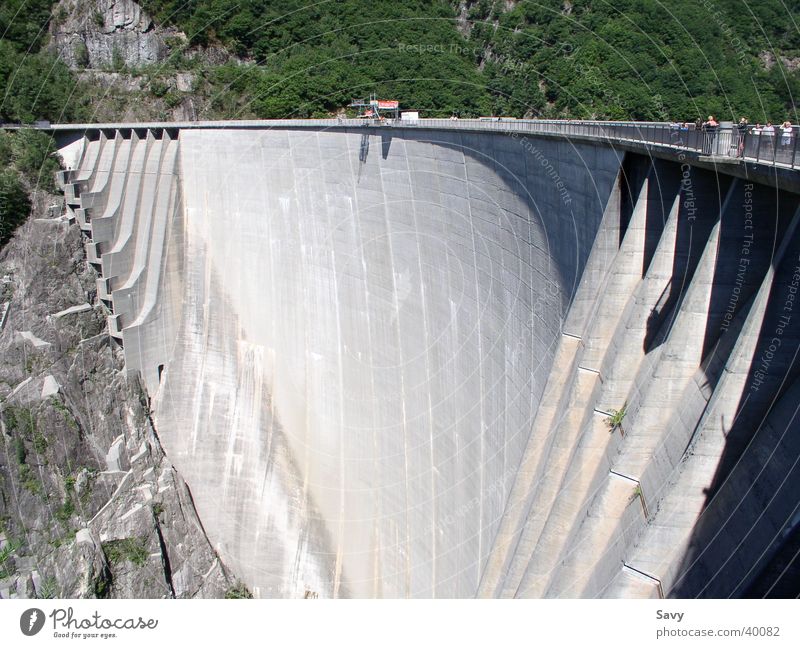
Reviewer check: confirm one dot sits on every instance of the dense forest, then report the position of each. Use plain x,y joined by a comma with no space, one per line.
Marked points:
26,164
626,59
33,83
641,59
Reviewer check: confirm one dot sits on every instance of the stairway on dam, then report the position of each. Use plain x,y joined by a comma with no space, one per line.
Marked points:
385,359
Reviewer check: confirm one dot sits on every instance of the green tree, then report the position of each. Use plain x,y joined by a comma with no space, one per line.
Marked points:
14,204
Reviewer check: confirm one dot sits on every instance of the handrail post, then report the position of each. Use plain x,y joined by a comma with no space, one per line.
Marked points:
775,147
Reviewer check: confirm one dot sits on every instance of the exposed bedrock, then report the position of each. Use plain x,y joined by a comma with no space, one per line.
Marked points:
89,504
385,360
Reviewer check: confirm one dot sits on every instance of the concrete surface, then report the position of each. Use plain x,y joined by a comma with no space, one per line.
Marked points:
384,359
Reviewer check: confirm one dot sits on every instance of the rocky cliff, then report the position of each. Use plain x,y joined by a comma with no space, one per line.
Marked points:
89,505
105,34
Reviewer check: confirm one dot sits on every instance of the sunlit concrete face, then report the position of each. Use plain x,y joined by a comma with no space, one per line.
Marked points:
367,322
388,361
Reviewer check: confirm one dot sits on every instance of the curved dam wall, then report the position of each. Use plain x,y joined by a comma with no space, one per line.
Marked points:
390,309
384,360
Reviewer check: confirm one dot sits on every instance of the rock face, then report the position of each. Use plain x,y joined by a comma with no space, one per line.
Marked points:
89,505
105,33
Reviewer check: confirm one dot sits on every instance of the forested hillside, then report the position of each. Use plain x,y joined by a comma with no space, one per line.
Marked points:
642,59
33,82
637,59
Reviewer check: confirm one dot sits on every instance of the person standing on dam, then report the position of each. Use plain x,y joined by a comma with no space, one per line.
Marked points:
786,134
742,128
710,127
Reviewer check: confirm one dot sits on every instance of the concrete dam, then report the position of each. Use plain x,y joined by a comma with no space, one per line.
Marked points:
389,361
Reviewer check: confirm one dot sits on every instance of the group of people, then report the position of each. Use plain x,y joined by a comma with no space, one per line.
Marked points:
745,129
769,131
786,129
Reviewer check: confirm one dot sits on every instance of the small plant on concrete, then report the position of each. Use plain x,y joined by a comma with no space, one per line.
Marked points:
637,492
615,418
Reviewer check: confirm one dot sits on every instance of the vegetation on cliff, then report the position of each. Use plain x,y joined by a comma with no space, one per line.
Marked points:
33,83
26,164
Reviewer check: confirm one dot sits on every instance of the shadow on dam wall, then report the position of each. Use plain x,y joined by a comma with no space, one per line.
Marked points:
745,541
385,360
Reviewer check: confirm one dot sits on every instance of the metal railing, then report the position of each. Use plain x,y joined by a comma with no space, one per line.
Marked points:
772,148
721,142
726,142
